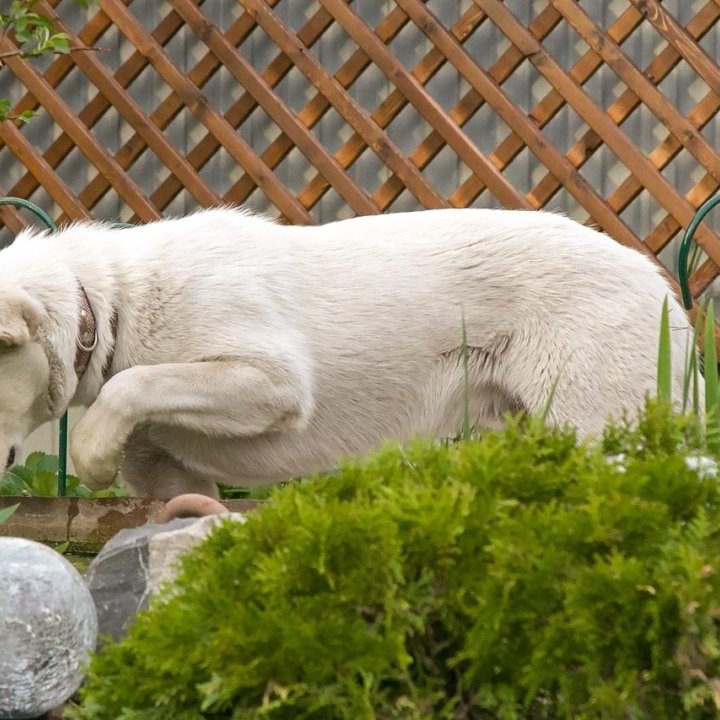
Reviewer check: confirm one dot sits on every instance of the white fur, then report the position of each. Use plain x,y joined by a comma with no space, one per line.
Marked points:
250,352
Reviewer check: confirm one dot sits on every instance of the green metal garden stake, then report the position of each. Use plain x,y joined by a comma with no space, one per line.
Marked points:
685,245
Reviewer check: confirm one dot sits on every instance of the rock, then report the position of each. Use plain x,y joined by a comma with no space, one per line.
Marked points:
117,577
48,627
167,547
134,563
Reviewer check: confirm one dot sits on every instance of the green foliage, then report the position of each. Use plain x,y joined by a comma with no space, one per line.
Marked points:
516,575
34,36
38,477
710,372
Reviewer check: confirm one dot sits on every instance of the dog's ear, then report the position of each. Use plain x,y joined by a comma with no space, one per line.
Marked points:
20,318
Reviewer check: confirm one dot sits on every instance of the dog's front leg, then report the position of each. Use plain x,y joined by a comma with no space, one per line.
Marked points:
221,398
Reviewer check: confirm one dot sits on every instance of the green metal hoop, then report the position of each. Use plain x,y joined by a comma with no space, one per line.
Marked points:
686,244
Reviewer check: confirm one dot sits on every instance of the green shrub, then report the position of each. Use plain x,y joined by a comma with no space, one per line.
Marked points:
518,575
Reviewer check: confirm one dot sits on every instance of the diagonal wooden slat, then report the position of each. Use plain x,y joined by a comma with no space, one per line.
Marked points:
613,137
10,216
545,110
98,106
426,106
390,108
530,134
36,164
63,64
304,140
194,100
668,149
138,120
167,111
318,106
464,110
661,107
681,41
85,141
343,103
624,106
241,109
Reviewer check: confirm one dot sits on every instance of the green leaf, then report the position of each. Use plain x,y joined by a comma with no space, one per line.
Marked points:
71,484
5,513
62,547
27,25
5,105
25,117
33,460
48,463
664,363
690,377
32,20
41,36
13,484
712,387
22,472
59,43
45,484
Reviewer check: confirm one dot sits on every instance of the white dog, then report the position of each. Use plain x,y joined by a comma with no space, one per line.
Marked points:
223,347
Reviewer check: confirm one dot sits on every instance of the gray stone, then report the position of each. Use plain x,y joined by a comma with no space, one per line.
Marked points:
48,627
117,576
166,548
133,565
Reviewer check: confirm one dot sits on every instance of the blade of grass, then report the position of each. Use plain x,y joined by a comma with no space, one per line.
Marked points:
553,389
5,513
467,428
690,376
712,391
664,363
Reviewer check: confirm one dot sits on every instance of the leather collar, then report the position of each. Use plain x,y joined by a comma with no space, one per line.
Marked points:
87,337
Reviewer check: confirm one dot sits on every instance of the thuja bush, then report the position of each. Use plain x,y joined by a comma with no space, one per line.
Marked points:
517,575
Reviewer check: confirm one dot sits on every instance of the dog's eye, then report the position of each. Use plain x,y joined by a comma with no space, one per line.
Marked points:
10,458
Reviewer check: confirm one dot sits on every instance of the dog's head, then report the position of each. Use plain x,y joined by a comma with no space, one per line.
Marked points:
24,370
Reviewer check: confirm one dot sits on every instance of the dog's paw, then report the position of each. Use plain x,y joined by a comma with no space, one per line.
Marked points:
96,453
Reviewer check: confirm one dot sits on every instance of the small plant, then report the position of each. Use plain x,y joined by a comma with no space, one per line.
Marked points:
38,477
34,37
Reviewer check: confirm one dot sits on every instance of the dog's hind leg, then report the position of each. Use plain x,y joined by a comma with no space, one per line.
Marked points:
149,471
585,378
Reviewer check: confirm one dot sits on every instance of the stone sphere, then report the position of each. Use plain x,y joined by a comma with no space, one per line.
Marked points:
48,627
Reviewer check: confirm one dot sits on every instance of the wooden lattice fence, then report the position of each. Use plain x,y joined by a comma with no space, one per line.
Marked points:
345,106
